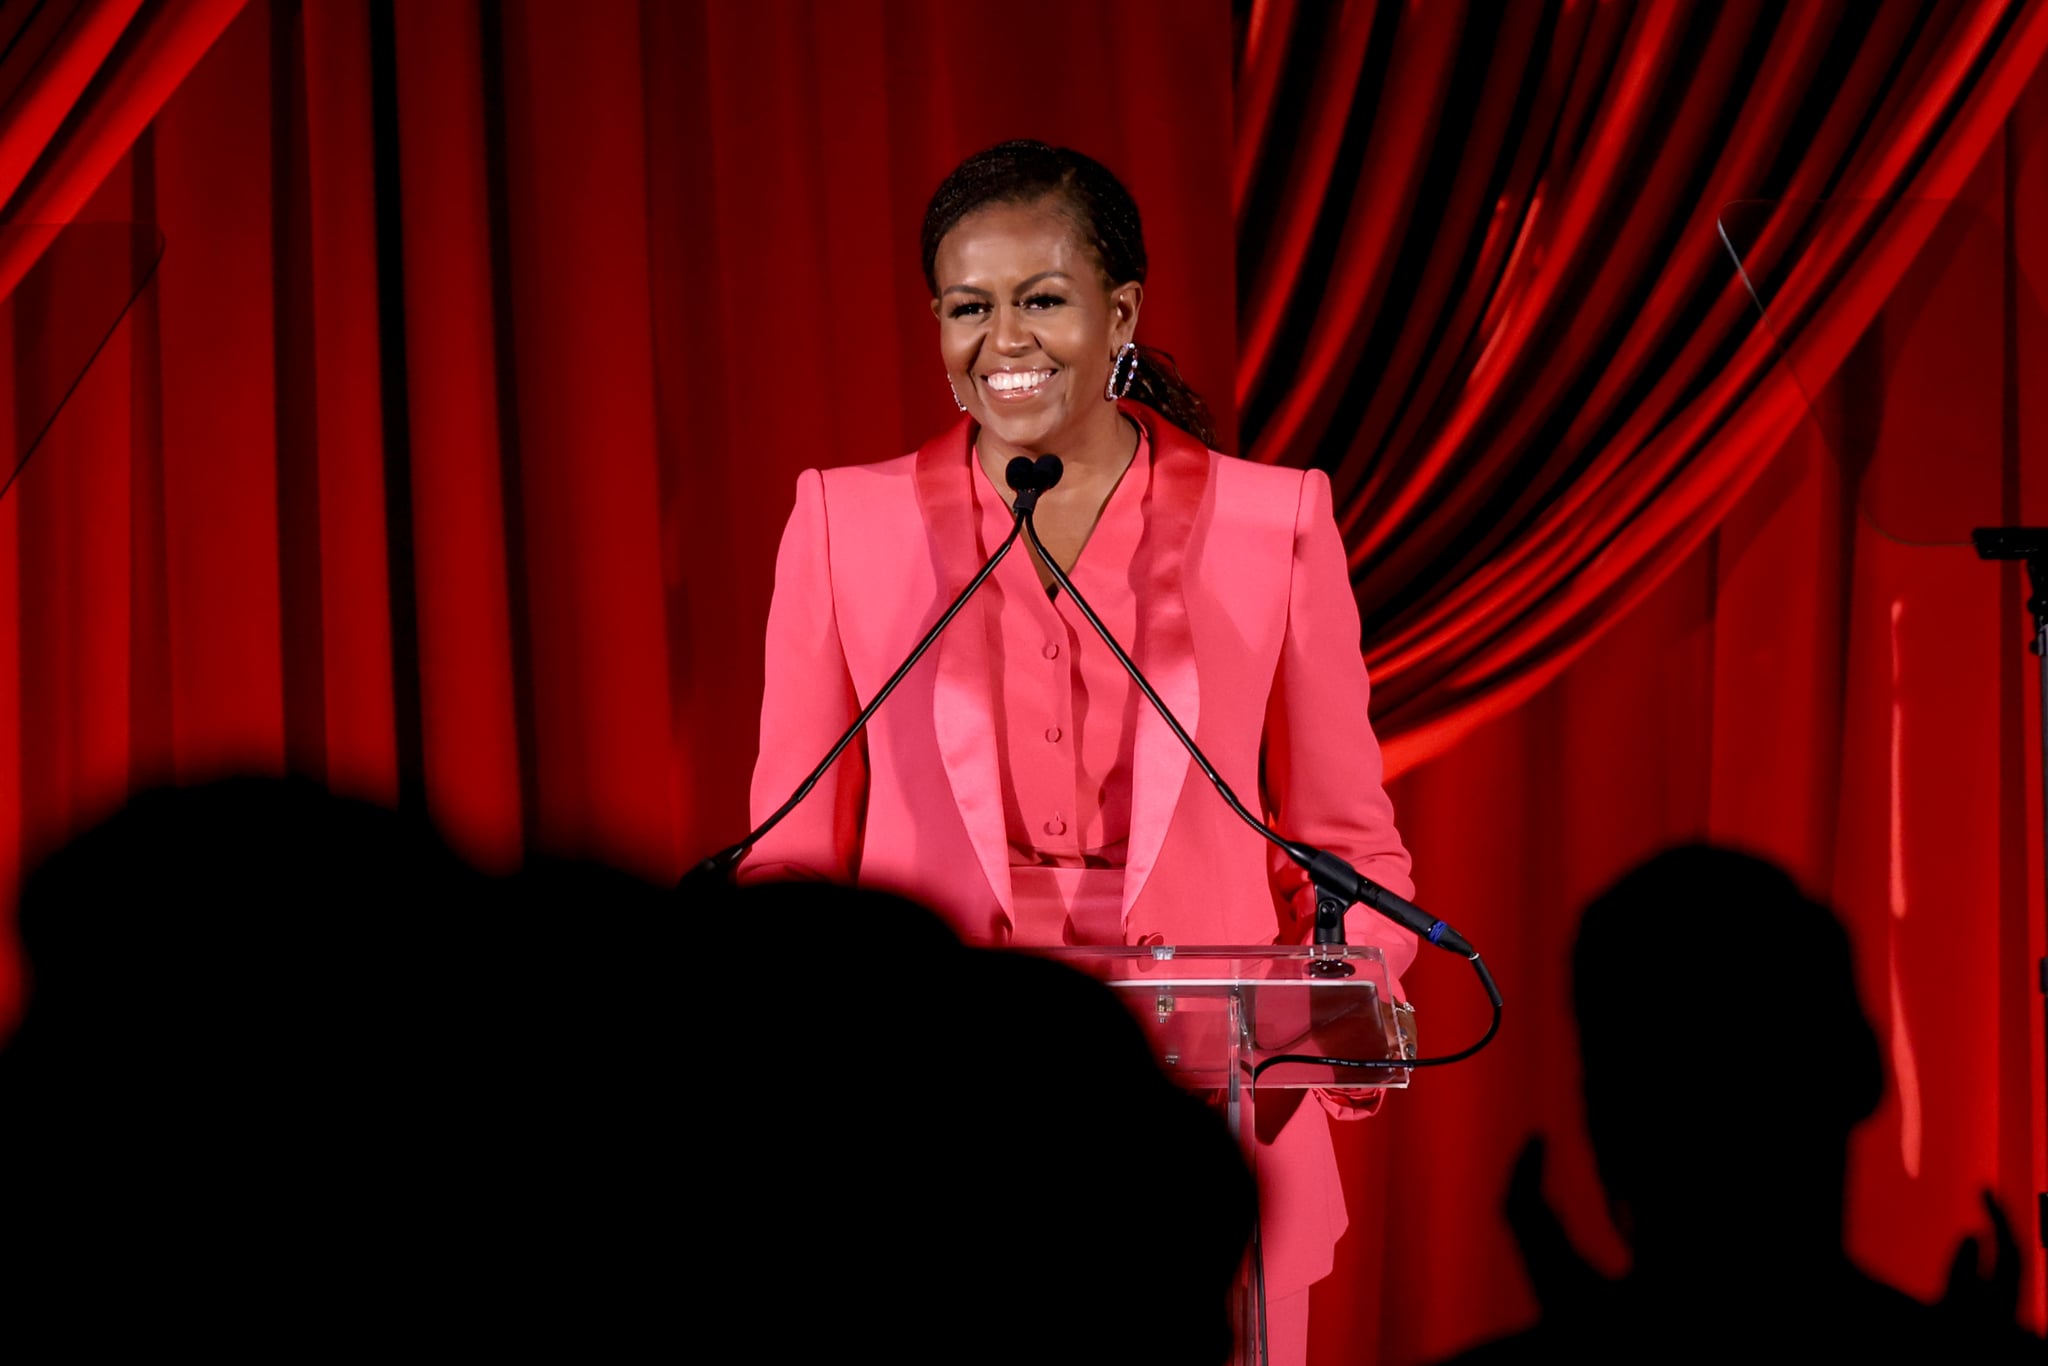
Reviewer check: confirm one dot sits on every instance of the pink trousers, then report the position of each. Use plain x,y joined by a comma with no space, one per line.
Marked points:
1054,906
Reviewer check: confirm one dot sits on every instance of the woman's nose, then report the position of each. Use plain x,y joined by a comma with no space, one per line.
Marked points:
1012,329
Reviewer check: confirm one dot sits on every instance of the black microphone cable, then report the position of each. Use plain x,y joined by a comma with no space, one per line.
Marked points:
719,867
1338,885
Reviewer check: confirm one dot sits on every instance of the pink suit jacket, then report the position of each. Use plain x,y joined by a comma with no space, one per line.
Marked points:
1248,631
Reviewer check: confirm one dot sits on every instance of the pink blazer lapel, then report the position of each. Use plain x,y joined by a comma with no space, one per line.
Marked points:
1165,647
963,716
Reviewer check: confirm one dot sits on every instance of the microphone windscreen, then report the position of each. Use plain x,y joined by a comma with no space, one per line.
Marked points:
1049,469
1020,474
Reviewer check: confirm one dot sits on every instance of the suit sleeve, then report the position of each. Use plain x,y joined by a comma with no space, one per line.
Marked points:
1323,771
1322,763
807,702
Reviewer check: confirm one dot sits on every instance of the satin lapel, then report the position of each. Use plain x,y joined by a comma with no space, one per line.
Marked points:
962,714
1165,647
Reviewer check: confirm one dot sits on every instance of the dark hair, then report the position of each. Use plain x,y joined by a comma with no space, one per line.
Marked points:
1105,216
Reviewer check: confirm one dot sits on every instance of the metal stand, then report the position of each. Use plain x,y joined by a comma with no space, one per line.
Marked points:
2031,545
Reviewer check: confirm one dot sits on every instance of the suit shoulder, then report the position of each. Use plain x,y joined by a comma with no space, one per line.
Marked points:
1237,467
894,470
865,488
1252,493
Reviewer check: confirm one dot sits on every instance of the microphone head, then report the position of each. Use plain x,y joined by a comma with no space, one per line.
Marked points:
1021,474
1048,470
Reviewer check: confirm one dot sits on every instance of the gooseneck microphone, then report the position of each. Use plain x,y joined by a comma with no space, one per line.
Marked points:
1338,885
1030,480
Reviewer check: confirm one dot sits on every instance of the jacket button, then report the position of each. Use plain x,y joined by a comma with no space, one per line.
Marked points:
1055,826
1052,735
1052,651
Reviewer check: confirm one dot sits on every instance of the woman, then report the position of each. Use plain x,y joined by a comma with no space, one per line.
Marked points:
1017,781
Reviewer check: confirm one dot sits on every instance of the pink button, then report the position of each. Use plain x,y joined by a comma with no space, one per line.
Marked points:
1055,826
1052,651
1052,734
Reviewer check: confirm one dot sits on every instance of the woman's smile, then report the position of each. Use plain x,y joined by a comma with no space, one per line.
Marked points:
1017,386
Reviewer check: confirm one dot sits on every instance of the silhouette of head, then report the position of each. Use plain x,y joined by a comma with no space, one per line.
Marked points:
964,1154
1727,1057
291,1071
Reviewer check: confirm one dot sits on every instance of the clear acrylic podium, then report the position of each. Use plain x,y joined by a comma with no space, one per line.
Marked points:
1229,1022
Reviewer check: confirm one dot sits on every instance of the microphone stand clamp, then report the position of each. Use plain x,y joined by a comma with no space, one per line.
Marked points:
1328,958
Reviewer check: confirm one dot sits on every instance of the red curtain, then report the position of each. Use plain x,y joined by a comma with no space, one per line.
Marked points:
487,344
1484,287
447,455
1487,283
79,80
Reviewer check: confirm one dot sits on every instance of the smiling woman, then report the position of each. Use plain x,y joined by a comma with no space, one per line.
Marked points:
1100,241
1031,325
1017,781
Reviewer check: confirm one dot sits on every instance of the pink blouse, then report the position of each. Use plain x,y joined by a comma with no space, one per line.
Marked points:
1066,716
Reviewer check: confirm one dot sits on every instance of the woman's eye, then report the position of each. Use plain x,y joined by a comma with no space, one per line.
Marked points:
968,310
1044,301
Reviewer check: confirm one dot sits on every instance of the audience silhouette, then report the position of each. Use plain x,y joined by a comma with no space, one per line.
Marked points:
1722,1079
292,1074
966,1154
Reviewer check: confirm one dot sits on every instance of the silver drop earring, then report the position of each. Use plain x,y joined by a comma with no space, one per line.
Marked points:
954,392
1122,371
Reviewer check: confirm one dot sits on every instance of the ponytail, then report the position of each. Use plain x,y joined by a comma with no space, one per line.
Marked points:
1158,386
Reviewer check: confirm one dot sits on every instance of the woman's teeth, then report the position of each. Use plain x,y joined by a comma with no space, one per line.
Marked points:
1016,383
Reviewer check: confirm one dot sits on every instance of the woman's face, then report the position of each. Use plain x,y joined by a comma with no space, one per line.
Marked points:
1029,327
